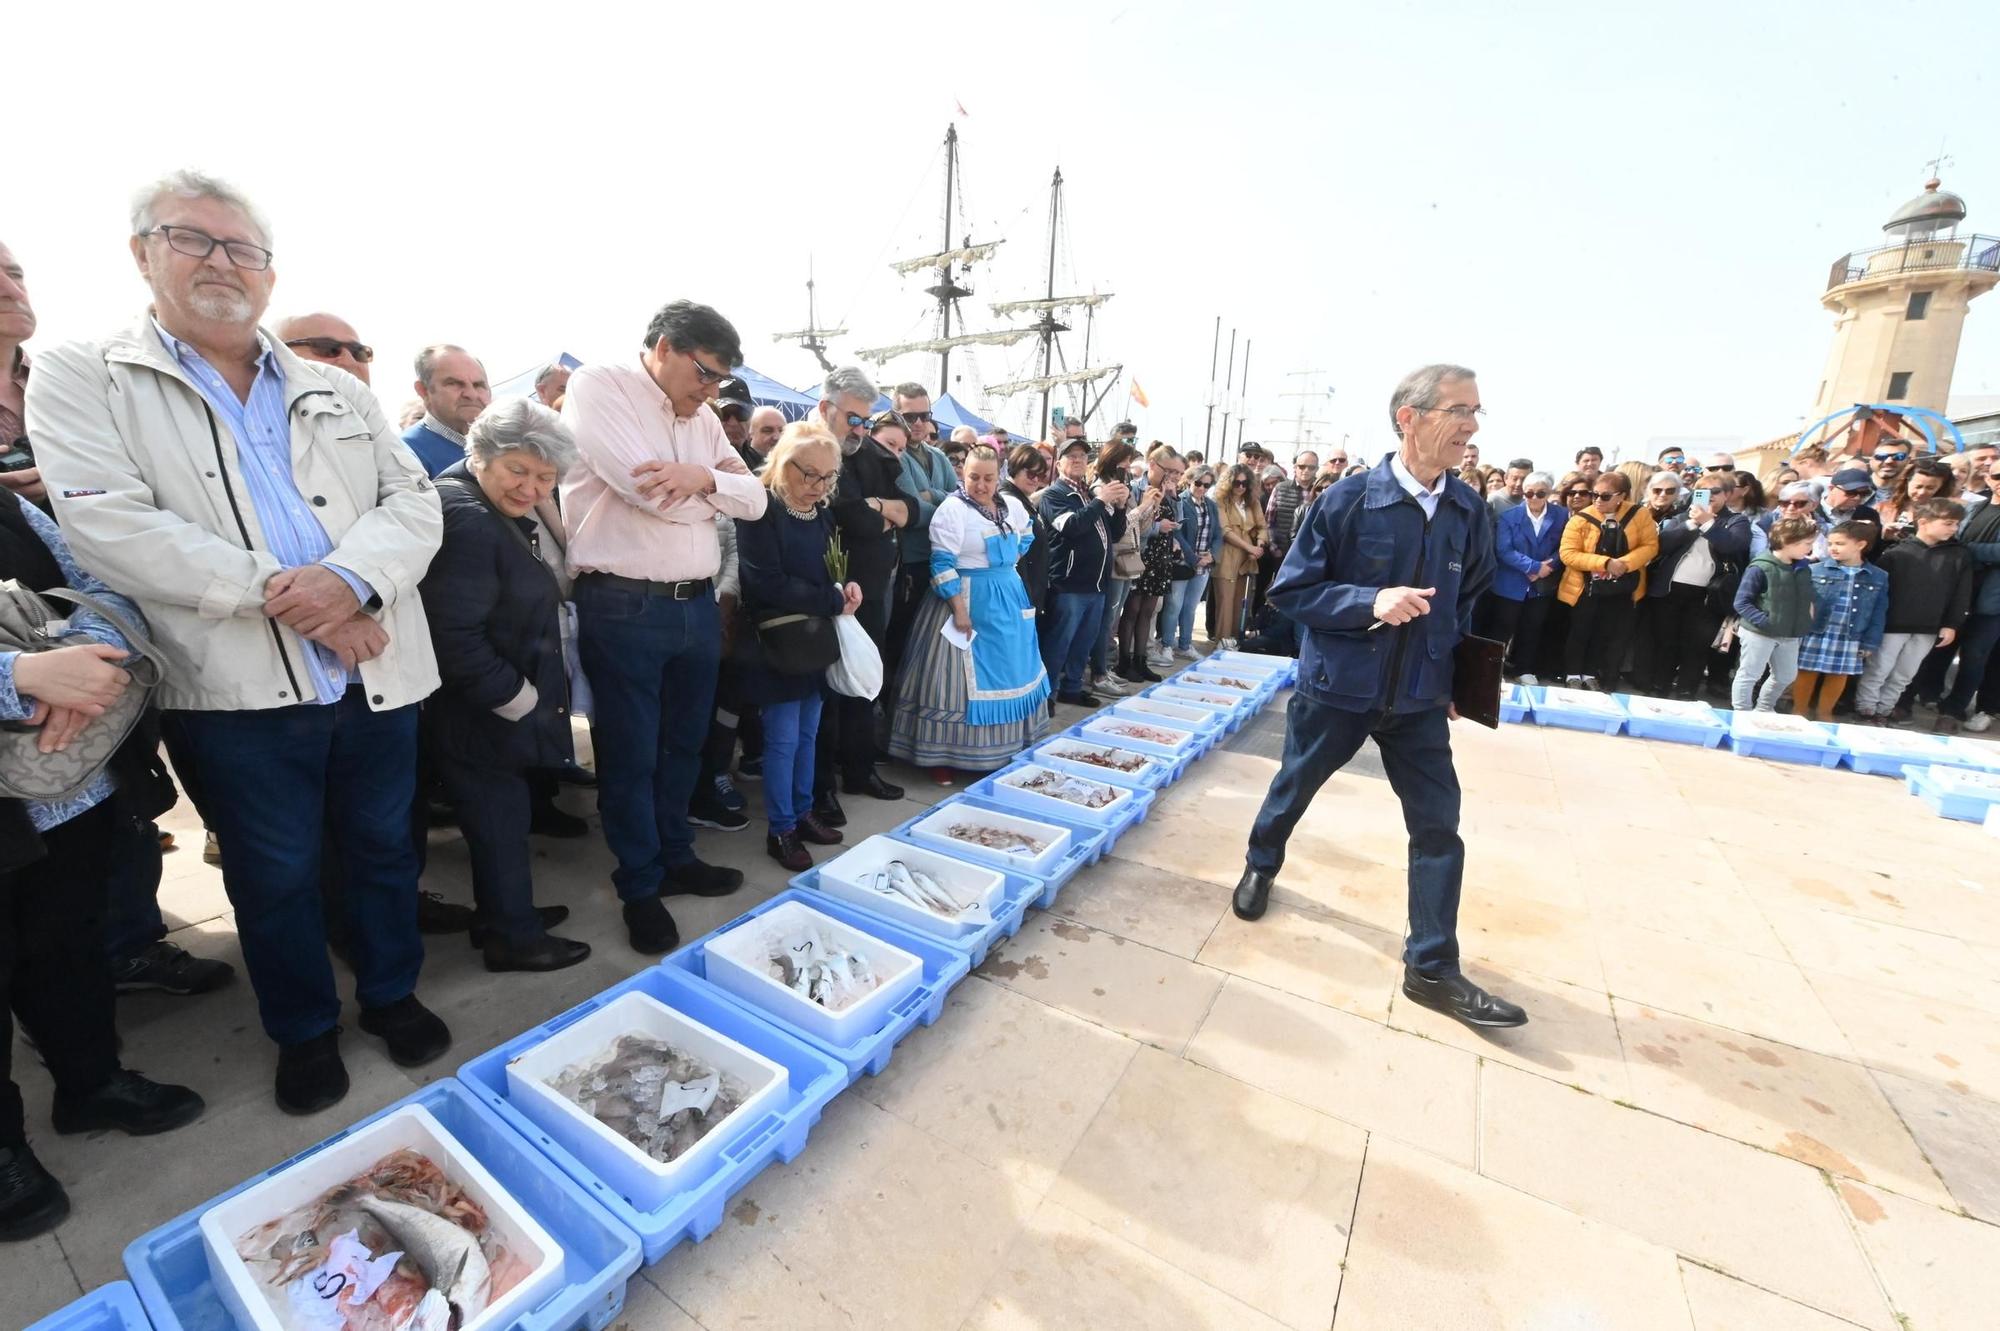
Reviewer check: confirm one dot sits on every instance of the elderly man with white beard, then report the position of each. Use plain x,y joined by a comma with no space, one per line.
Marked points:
261,511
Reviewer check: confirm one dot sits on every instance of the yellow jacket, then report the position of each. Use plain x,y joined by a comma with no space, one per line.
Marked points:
1579,548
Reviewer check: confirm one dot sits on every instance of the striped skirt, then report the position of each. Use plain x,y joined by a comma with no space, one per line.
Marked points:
936,683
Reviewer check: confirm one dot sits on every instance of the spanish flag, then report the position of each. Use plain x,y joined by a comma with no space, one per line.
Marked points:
1138,393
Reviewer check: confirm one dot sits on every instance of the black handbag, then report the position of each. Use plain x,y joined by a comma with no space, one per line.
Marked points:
790,644
1611,544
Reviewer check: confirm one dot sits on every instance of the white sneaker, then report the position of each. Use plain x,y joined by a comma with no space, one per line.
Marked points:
1226,645
1978,723
1185,654
1529,682
1159,657
1110,684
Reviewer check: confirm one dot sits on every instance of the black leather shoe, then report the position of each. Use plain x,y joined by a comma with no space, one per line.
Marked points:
547,953
650,927
872,786
826,808
1461,1000
311,1075
696,879
435,915
573,773
31,1201
1253,893
415,1034
784,847
547,820
818,833
550,917
131,1104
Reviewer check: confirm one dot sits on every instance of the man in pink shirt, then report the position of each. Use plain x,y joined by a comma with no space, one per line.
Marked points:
654,471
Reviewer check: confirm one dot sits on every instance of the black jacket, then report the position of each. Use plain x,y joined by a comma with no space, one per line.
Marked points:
493,607
1082,530
1930,586
1034,565
869,472
1728,540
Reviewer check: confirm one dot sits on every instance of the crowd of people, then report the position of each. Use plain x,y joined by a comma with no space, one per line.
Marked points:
368,628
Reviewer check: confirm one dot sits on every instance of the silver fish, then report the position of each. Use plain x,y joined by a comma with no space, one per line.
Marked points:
928,894
446,1253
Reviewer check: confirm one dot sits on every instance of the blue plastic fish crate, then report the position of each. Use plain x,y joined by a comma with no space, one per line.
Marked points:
1514,704
1115,823
1782,750
1233,716
1158,776
1267,686
1177,764
1870,752
1086,844
1287,673
1707,733
112,1308
695,1212
170,1269
1208,729
1573,718
1932,786
944,967
1020,892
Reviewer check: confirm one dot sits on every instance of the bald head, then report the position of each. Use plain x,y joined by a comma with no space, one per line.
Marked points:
766,424
329,339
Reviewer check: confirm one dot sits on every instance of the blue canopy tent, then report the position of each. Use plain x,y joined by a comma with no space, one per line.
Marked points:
947,411
523,384
768,392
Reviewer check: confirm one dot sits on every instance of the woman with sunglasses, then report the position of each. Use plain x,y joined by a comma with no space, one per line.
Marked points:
1605,551
1197,535
973,705
1242,513
782,561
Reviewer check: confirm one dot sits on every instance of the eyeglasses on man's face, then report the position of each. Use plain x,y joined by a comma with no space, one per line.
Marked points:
198,244
814,479
1892,457
333,346
1796,503
706,375
1460,412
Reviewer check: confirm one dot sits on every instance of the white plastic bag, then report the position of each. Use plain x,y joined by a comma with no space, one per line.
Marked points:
858,672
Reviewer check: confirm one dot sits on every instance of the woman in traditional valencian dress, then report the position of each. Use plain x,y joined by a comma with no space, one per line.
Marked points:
973,709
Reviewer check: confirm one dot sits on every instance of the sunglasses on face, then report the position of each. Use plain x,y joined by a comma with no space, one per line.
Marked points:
916,417
1534,494
1606,494
855,422
333,346
1797,503
1577,493
1892,457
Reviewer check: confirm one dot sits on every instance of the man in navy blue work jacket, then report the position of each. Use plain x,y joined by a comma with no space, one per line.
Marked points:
1382,576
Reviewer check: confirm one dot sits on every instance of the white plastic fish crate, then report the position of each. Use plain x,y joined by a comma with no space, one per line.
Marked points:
850,877
1258,686
1958,793
738,961
1678,721
298,1181
1577,709
1017,892
1103,728
646,1181
1141,708
928,829
943,966
1284,669
1093,842
1127,804
1233,709
1785,739
1060,753
1880,751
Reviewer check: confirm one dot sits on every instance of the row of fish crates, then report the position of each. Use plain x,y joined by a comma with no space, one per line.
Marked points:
525,1192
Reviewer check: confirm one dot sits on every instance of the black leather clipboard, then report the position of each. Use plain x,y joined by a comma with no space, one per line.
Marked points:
1475,679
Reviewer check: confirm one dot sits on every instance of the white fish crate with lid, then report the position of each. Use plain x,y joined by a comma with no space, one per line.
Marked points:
394,1225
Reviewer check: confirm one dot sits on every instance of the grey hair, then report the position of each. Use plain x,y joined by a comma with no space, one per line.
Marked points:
1665,474
849,381
427,360
1420,388
189,184
1539,478
1799,490
1521,464
521,425
546,373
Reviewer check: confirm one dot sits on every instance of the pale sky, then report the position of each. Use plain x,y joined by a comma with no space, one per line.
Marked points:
1621,217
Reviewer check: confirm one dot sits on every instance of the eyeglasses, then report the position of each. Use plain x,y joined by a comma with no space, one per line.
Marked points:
1606,494
1796,503
1203,485
813,479
199,245
708,376
1577,491
333,346
1336,462
1461,412
1892,457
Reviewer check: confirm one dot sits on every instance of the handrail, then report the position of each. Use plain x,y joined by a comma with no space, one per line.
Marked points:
1941,253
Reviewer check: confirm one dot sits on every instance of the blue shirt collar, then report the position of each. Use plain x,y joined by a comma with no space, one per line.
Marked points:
267,356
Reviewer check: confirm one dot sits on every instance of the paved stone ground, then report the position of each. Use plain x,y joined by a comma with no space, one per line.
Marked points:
1760,1090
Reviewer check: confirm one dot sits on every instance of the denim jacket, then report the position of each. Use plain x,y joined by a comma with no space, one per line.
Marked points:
1364,534
1867,616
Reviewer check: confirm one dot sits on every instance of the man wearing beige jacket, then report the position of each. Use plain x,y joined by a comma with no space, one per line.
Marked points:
273,528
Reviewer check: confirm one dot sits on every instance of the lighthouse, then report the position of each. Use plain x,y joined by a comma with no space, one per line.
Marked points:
1899,308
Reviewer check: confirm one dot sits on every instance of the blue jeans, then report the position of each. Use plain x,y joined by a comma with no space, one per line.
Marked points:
1183,603
789,731
1115,592
275,787
1068,631
651,662
1416,754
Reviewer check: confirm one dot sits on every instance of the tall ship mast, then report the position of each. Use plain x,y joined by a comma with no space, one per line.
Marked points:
812,337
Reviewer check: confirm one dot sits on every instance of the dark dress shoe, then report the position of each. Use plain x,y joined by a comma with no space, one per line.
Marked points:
549,917
130,1103
415,1034
1081,698
826,808
547,820
171,970
650,927
812,829
311,1075
873,786
1143,673
573,773
31,1201
547,953
785,848
1253,893
696,879
435,915
1461,1000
